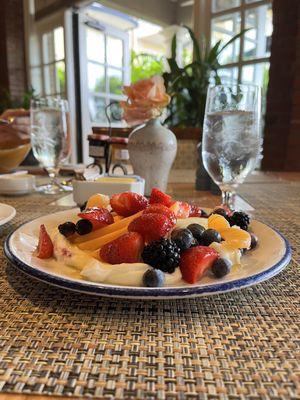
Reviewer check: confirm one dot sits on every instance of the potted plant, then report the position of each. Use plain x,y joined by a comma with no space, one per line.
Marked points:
187,86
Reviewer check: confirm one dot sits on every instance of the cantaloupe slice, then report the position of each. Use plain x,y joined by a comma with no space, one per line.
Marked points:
101,241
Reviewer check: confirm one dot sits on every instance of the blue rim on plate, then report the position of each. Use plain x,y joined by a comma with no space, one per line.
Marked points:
149,293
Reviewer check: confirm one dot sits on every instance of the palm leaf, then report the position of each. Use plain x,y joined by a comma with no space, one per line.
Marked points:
233,39
196,46
174,46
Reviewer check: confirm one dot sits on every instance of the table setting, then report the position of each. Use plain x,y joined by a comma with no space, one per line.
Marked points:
137,285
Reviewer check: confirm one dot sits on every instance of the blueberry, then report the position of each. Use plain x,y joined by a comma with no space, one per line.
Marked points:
209,236
220,211
83,206
183,238
221,267
153,278
196,230
254,241
67,229
84,226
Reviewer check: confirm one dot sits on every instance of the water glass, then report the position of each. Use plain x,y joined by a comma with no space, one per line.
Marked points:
50,138
232,141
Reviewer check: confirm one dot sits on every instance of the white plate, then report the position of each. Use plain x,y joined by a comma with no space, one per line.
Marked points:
268,259
6,213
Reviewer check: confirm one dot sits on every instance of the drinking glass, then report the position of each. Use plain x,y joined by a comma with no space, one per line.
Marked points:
49,119
232,142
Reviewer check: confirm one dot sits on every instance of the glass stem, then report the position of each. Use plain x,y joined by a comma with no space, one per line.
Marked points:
228,198
52,172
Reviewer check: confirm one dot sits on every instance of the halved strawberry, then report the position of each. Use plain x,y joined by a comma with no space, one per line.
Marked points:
161,209
99,217
159,197
195,261
181,209
196,211
45,245
151,226
128,203
125,249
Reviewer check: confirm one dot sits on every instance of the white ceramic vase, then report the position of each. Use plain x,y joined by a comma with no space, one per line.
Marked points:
152,150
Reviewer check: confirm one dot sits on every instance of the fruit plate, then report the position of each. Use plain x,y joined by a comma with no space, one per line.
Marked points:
270,257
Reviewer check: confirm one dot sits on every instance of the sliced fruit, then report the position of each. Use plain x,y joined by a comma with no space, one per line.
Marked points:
123,223
128,203
195,262
159,197
237,238
218,222
161,209
196,211
125,249
222,210
99,217
98,200
185,222
225,250
101,241
45,245
181,209
151,226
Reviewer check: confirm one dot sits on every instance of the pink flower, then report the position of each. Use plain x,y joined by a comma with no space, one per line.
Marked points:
146,99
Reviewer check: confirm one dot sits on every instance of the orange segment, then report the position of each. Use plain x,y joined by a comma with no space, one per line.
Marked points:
237,238
101,241
217,222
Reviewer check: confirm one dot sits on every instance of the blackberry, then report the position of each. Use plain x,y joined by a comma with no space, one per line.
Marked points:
162,254
240,219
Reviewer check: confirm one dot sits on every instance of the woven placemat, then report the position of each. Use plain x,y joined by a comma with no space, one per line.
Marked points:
240,345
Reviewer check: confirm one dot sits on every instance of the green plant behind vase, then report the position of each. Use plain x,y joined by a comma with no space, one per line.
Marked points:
188,85
6,100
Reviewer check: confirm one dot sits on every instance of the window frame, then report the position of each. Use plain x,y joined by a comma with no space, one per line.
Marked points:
242,8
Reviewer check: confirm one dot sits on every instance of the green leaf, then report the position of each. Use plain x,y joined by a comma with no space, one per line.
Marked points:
196,46
174,47
213,52
233,39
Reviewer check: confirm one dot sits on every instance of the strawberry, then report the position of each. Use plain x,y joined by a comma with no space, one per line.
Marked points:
45,245
181,209
125,249
161,209
159,197
195,211
99,217
195,261
128,203
151,226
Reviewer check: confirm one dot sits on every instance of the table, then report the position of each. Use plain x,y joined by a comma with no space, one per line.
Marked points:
232,346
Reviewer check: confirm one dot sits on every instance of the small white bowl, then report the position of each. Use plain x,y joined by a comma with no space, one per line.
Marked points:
17,184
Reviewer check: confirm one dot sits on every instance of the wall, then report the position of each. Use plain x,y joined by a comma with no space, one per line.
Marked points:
282,128
12,65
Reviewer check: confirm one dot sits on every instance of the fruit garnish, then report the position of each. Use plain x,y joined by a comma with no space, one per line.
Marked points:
99,217
151,226
67,228
196,230
181,209
161,209
45,245
84,226
125,249
221,267
218,222
196,211
98,200
153,278
195,262
209,236
128,203
222,210
237,238
159,197
240,219
162,254
183,238
225,250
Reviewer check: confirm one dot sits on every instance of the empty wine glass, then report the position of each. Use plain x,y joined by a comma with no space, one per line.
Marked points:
232,142
50,139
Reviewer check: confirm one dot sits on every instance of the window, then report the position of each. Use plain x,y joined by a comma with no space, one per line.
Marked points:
105,70
48,76
247,59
